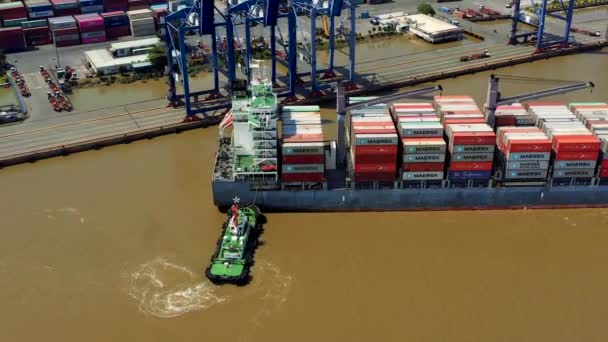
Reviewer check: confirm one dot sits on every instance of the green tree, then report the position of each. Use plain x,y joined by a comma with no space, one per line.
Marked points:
425,8
158,56
3,63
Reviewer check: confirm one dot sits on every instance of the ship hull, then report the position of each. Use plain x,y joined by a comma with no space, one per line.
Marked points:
347,200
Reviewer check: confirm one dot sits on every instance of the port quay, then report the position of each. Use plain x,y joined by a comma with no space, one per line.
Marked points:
45,134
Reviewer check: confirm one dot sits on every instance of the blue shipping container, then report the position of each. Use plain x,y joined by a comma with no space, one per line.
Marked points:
84,3
116,21
466,175
445,10
39,8
91,9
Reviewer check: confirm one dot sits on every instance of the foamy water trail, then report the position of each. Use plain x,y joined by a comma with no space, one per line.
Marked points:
273,287
164,289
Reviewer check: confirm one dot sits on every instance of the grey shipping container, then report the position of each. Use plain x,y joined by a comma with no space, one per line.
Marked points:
472,157
573,173
473,149
422,175
424,158
526,174
528,156
528,165
574,164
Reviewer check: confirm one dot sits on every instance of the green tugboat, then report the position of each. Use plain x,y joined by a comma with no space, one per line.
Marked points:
235,248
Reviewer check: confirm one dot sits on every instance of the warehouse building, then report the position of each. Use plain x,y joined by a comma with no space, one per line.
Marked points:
433,30
128,56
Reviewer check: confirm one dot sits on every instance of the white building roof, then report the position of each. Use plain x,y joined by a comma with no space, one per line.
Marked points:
102,58
431,25
133,44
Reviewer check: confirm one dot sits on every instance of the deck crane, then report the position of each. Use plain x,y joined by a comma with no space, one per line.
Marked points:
342,107
495,99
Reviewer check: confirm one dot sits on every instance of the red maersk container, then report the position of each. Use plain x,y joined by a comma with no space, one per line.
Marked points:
12,39
471,166
576,143
416,167
115,5
12,10
37,36
375,172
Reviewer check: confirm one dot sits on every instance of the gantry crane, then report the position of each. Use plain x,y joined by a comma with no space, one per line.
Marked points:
542,14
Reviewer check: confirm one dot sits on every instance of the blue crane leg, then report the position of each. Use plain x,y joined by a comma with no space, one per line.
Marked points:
247,58
293,62
230,48
184,71
332,43
541,25
313,49
351,47
216,74
516,13
273,52
568,22
172,93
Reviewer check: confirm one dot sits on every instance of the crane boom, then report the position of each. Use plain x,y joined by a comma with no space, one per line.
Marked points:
494,99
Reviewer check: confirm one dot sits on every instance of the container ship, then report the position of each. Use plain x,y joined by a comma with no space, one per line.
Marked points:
441,155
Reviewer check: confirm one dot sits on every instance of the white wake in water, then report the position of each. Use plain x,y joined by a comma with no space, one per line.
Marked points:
164,289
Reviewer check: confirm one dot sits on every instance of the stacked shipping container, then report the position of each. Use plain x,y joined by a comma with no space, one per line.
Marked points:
11,11
374,144
116,23
142,23
422,144
470,139
594,115
65,7
90,6
12,39
64,31
457,109
525,153
137,4
302,147
575,148
513,115
115,5
39,9
91,27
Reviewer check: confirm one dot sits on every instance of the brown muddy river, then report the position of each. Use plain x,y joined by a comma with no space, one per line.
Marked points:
110,245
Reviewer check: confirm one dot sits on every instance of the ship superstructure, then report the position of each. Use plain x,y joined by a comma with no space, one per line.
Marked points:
254,132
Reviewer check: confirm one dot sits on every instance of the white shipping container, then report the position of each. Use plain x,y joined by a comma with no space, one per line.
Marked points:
303,148
418,119
574,164
302,122
424,146
473,149
431,129
376,139
517,156
372,119
528,165
424,158
472,157
139,14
